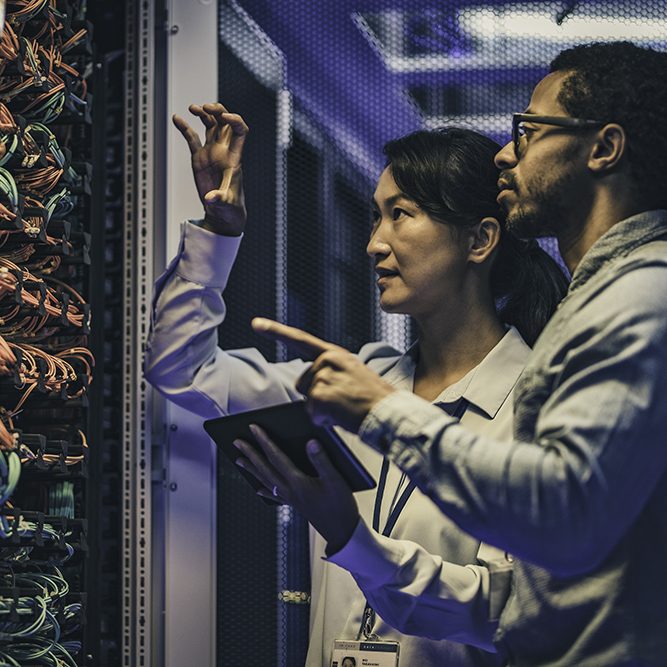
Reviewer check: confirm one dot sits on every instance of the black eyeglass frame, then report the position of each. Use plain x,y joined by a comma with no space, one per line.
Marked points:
559,121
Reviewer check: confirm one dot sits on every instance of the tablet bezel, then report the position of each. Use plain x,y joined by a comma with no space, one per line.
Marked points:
290,427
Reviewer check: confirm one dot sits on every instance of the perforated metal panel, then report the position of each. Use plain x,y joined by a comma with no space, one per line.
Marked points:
248,536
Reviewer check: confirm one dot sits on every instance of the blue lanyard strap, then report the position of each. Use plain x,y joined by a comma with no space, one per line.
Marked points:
461,407
368,617
398,508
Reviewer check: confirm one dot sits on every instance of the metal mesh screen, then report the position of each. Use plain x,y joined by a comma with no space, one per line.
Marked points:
247,585
323,86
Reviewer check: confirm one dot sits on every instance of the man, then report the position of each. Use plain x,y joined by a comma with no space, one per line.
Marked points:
580,496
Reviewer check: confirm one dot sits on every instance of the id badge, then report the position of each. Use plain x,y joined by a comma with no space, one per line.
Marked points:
366,653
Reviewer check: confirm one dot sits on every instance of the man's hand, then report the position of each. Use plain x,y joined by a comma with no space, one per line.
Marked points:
326,501
340,388
216,166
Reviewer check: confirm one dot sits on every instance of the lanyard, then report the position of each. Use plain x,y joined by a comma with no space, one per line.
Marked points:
368,618
398,507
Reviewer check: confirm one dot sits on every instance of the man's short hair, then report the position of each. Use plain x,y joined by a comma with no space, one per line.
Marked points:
620,82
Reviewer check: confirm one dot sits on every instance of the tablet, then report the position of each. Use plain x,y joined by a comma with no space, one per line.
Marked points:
290,427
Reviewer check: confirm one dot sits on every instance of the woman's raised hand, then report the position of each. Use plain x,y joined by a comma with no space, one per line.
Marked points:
216,166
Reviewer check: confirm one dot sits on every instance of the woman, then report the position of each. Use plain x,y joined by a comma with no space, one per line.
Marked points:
442,256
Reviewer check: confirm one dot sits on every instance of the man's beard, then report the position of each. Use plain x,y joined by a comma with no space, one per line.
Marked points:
546,209
539,220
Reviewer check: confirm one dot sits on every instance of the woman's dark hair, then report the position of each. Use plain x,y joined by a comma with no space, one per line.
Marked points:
450,174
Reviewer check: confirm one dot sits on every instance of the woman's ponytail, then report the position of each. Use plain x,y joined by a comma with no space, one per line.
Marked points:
528,283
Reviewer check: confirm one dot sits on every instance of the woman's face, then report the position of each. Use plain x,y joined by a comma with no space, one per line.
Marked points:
420,262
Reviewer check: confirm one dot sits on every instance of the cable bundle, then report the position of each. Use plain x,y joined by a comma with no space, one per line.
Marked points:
35,77
39,186
10,472
32,308
35,539
64,375
9,200
61,499
37,450
35,624
45,364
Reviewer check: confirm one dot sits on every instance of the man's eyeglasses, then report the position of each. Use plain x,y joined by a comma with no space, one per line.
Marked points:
518,119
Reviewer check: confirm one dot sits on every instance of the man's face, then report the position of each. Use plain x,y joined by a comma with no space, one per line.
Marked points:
540,185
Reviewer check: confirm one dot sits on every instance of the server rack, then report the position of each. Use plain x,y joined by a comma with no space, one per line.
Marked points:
48,418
